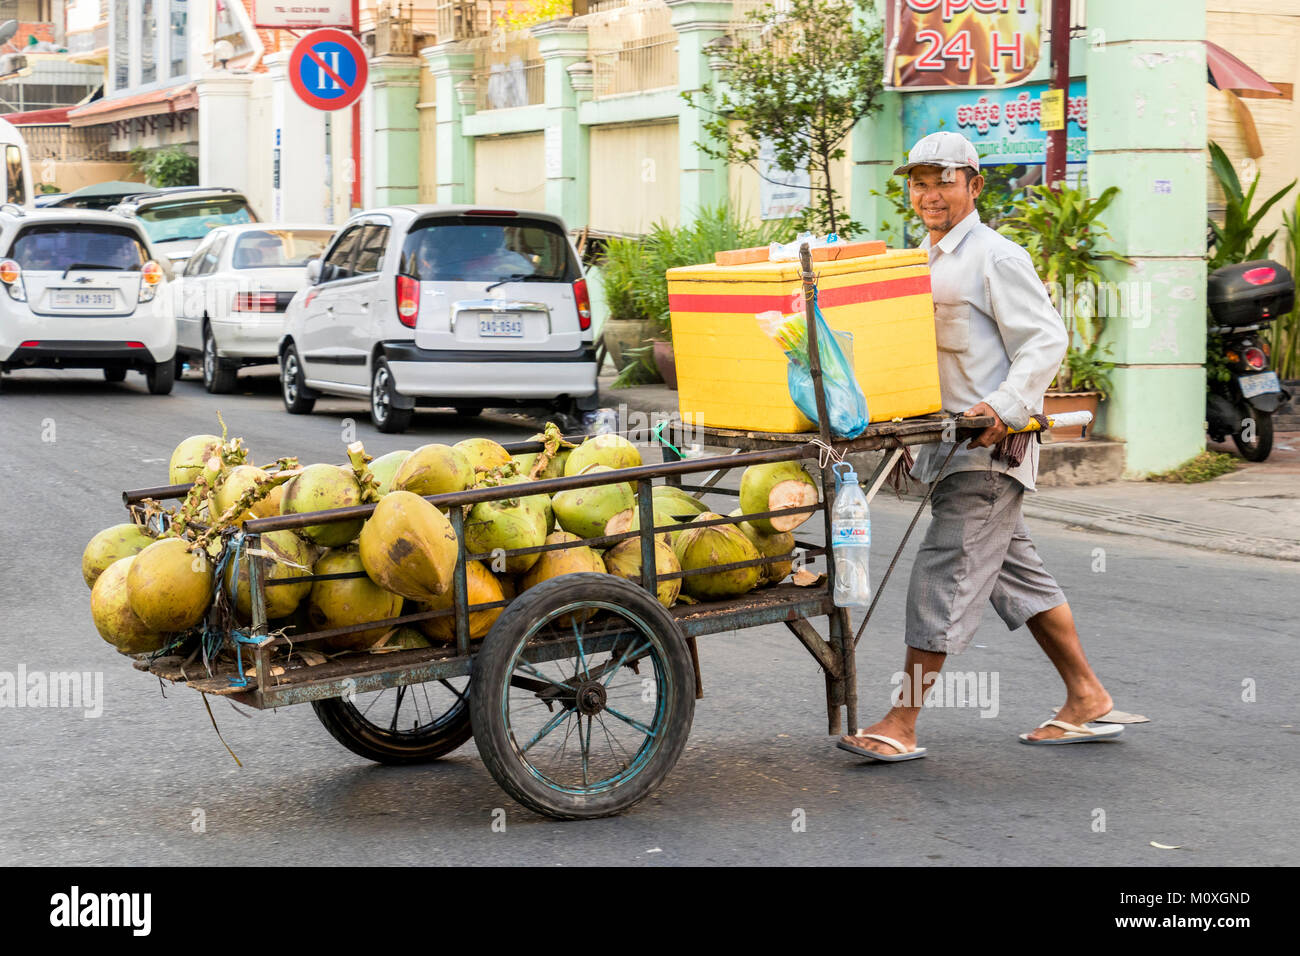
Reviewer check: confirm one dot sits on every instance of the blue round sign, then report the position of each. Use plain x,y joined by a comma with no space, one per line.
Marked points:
328,69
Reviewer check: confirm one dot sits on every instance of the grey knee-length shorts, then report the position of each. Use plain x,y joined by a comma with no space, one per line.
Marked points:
976,549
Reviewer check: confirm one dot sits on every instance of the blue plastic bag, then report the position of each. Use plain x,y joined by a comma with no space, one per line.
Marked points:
845,403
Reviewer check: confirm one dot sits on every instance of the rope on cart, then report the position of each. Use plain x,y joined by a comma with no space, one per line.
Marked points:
826,453
899,553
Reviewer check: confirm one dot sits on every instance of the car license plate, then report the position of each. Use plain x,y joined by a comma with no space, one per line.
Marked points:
1261,384
83,300
506,325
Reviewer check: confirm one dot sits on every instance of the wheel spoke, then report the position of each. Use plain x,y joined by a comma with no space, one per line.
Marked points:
447,684
614,743
631,722
550,726
582,657
621,661
401,695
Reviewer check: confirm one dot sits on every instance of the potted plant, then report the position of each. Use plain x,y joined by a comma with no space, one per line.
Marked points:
627,328
1060,230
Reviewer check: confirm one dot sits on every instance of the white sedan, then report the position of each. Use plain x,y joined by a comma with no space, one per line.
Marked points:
231,297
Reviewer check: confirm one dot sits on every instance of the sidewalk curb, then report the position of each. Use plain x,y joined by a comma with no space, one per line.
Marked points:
1277,549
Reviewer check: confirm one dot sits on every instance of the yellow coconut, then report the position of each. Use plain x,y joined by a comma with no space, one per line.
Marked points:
769,546
291,557
433,470
408,546
169,586
483,588
190,457
568,561
229,489
343,602
483,454
323,488
384,468
269,507
110,545
112,614
624,560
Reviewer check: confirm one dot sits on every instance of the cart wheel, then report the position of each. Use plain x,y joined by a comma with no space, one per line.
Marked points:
583,695
414,723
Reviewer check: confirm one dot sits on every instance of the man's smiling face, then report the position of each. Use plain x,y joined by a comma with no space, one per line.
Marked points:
941,205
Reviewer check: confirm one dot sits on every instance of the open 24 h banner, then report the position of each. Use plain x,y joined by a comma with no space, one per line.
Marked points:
941,44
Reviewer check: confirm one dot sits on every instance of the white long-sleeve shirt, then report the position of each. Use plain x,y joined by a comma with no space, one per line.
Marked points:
1000,341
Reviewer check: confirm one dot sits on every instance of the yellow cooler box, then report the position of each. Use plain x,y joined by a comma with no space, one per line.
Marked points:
730,374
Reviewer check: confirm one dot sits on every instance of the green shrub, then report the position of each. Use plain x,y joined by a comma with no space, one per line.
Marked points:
1206,466
170,166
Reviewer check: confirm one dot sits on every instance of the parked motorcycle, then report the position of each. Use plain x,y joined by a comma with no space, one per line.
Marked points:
1243,299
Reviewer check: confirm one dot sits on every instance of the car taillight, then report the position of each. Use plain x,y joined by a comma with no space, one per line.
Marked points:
135,345
11,274
408,300
151,275
584,304
1255,358
255,302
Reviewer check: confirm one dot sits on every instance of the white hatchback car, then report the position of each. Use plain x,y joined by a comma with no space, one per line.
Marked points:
453,306
82,290
230,300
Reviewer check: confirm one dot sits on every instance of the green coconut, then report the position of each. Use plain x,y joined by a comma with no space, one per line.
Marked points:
677,502
554,468
344,602
769,546
408,546
586,511
385,467
538,502
324,488
190,457
409,639
434,470
774,486
630,520
483,454
612,451
290,557
169,586
506,524
482,587
698,548
111,545
110,608
624,560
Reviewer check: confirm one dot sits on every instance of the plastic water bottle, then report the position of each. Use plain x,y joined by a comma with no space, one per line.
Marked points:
850,540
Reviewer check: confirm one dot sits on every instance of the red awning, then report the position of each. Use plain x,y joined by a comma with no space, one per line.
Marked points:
1229,73
39,117
174,100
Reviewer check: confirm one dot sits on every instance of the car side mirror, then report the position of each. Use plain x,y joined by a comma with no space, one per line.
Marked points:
313,272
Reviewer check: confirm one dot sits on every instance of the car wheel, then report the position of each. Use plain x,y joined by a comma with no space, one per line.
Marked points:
178,372
115,375
292,387
160,378
388,418
217,378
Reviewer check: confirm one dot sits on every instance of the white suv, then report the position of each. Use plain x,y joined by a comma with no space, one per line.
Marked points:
81,289
453,306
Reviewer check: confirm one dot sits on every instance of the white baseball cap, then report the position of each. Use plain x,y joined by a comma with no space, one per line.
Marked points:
946,149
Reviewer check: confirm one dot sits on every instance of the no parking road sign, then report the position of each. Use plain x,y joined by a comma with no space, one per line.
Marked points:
328,69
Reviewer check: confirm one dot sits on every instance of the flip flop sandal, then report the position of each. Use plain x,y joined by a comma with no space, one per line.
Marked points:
1074,734
903,752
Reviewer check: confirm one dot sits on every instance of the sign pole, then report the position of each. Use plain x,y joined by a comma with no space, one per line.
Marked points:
1056,142
356,121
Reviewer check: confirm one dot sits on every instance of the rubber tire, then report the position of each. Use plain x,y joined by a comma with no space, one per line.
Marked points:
395,420
178,371
346,726
491,669
1262,446
469,411
161,377
300,404
222,379
115,375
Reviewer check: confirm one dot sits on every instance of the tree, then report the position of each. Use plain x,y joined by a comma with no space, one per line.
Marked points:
813,69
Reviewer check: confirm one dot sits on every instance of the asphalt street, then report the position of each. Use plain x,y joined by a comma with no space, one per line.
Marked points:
1203,643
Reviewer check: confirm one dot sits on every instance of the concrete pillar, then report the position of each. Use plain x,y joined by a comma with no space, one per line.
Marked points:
453,72
298,134
391,143
223,107
703,178
1146,134
568,142
876,148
